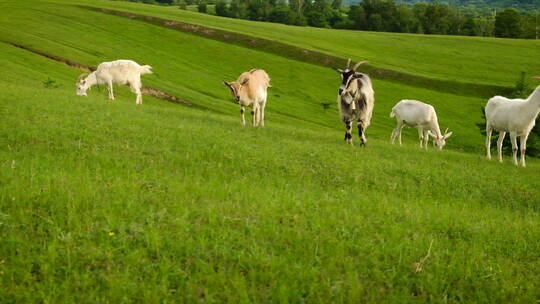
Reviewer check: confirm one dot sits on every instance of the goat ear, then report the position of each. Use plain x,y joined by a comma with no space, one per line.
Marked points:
536,77
340,71
226,83
431,134
447,135
245,81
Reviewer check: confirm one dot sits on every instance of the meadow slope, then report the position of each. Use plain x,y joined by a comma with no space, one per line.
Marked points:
112,202
489,61
193,68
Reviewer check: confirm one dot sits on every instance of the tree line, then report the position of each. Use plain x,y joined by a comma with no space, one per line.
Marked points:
378,15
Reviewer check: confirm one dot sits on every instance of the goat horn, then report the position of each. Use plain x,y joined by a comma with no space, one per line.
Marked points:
81,76
348,63
446,131
358,64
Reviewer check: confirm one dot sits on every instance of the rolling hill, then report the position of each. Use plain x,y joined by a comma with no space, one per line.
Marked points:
463,59
112,202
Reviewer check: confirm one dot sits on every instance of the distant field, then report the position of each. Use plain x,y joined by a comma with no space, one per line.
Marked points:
163,203
490,61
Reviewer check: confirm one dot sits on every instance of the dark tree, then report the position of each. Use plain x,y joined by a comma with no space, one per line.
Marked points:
182,4
201,7
280,14
507,24
317,13
436,19
237,9
358,16
336,4
469,28
221,8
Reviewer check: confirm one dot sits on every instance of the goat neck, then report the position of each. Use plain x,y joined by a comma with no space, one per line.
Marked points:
91,79
534,98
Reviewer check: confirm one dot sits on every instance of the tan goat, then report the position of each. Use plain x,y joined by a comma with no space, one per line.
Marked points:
250,90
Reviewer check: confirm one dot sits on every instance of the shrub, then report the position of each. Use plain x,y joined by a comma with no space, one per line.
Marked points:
182,4
201,7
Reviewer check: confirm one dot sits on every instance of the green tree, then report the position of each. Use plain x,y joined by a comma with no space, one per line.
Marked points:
406,20
436,19
296,6
318,13
528,26
201,7
507,24
337,4
375,22
469,28
221,8
382,15
358,17
182,4
237,9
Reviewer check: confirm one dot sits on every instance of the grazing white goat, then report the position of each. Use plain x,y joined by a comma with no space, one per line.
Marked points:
355,100
122,72
419,115
516,116
250,90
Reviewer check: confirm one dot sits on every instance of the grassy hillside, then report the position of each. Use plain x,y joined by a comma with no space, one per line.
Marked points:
193,68
488,61
112,202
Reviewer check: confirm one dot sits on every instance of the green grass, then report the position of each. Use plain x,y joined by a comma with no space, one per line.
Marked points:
112,202
489,61
193,68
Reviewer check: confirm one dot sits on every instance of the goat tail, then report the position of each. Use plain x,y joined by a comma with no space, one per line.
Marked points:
392,114
146,69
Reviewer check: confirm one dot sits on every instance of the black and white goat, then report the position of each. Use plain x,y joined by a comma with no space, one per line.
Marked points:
122,72
355,100
516,116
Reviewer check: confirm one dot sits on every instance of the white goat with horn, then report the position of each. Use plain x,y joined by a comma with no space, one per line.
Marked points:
516,116
250,90
355,100
414,113
122,72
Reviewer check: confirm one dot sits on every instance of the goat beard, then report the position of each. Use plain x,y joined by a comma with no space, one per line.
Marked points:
349,99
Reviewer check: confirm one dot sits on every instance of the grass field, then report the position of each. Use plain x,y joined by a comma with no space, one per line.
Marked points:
193,68
112,202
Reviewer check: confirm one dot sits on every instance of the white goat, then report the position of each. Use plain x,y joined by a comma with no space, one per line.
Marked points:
356,100
122,72
419,115
516,116
250,90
